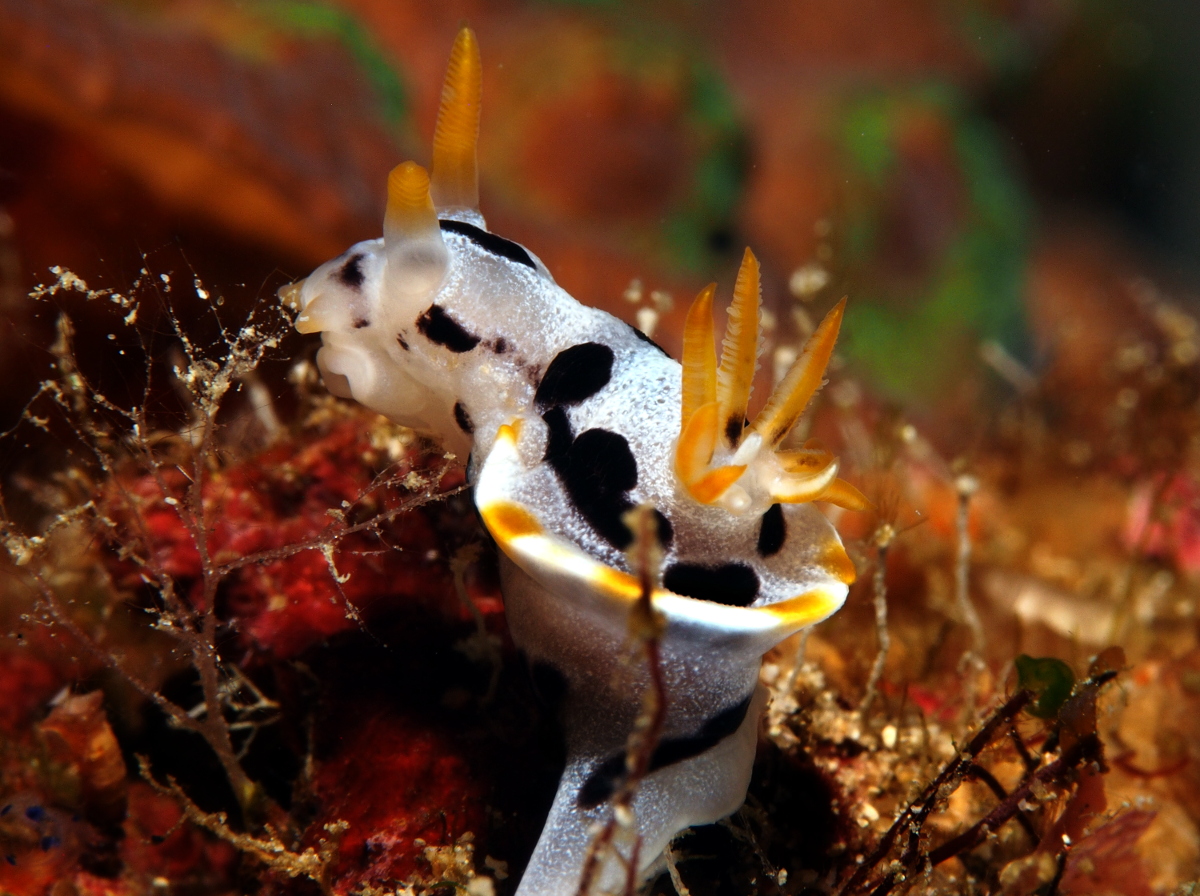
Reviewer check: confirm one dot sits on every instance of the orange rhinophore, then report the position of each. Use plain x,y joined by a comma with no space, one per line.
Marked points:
455,175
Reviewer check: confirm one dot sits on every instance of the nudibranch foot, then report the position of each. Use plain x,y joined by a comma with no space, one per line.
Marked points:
701,790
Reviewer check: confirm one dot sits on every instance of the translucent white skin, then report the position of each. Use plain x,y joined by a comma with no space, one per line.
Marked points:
562,610
602,701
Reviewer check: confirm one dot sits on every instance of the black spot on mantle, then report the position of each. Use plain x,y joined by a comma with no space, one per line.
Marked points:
731,584
559,436
462,418
733,428
666,532
772,531
489,242
350,274
576,374
597,469
439,327
646,339
603,782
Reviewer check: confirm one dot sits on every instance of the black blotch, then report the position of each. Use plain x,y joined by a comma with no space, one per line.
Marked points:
646,339
500,346
439,327
731,584
711,733
666,532
49,842
559,437
489,242
772,531
733,429
597,471
10,858
462,418
576,374
603,782
361,322
400,339
35,813
533,372
350,274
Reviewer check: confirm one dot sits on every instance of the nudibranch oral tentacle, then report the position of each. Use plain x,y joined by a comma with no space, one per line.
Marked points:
571,419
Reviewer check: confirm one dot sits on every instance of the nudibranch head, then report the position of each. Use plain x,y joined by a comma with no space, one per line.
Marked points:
401,317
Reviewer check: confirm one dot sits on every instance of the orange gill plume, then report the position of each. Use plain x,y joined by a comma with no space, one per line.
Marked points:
739,352
715,447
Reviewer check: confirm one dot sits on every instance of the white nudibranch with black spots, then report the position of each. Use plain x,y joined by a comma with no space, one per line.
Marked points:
571,418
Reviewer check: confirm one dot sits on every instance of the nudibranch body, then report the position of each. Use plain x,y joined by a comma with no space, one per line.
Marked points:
571,418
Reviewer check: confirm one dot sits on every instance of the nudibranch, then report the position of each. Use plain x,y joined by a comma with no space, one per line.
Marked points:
572,417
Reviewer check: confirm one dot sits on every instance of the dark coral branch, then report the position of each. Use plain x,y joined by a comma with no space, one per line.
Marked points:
915,815
1018,743
1060,867
979,773
1075,739
1086,749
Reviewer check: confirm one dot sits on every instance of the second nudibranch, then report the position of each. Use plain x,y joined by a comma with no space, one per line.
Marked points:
572,417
